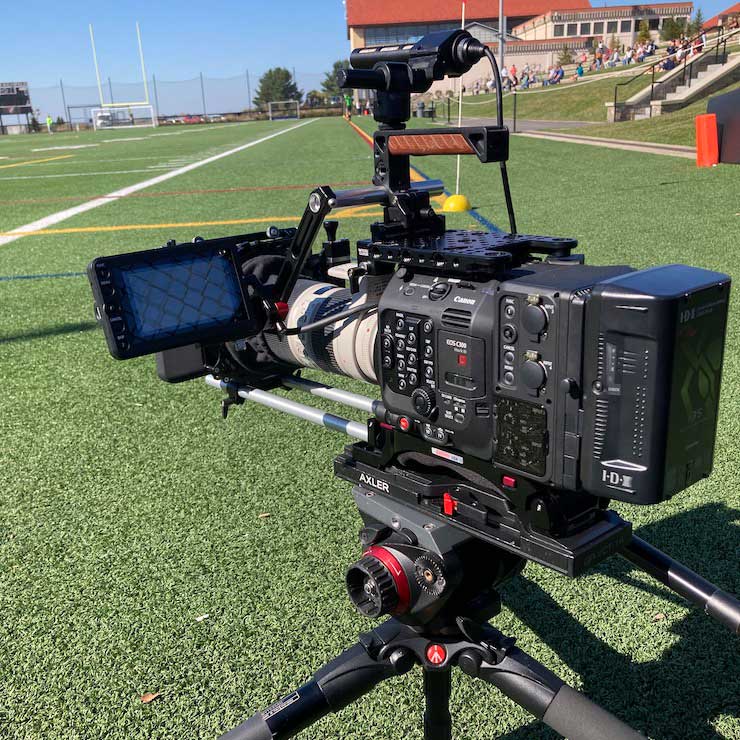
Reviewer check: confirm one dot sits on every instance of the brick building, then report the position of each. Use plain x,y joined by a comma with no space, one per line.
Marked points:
536,30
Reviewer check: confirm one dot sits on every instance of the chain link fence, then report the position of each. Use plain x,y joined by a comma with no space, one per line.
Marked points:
196,99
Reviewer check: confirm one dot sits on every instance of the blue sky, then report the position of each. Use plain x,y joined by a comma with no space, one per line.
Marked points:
44,41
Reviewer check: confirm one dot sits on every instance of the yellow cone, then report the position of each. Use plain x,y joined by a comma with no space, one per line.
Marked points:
456,204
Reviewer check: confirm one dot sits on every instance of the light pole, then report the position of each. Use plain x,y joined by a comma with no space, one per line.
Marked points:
501,32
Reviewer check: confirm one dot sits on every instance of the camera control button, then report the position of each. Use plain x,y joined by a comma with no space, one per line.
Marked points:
387,342
400,324
387,361
438,291
411,338
428,327
509,358
428,350
400,345
428,371
412,359
509,333
423,401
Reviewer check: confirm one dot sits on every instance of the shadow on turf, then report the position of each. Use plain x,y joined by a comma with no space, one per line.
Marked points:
693,681
52,331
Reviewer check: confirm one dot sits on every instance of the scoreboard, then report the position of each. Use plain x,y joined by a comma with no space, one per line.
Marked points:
14,98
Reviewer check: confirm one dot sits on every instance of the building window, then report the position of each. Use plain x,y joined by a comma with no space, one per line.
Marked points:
653,24
572,29
625,26
611,26
585,29
598,28
559,27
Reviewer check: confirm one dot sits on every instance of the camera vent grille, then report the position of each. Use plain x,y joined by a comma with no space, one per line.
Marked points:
456,318
601,422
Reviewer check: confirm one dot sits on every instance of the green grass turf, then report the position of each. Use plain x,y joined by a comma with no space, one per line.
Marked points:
128,507
671,128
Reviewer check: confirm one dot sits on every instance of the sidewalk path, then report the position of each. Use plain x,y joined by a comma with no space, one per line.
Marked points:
672,150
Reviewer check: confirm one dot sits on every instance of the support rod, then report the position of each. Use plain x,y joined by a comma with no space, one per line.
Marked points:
717,603
300,410
355,400
369,196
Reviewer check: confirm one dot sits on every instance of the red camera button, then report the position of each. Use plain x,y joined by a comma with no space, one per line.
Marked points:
508,481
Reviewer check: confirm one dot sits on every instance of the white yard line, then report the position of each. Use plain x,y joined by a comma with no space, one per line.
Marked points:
83,174
69,146
55,218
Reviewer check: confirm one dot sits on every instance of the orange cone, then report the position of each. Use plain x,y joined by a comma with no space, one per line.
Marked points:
707,142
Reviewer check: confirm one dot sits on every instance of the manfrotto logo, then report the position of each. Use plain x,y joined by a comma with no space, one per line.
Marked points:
457,343
374,482
466,301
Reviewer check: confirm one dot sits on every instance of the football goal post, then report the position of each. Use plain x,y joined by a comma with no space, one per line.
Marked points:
124,116
281,109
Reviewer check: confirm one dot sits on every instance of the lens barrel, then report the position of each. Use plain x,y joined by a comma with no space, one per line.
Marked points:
346,347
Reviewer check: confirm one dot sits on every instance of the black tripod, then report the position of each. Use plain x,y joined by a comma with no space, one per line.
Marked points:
478,649
441,586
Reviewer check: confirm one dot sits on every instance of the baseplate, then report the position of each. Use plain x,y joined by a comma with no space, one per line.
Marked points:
463,252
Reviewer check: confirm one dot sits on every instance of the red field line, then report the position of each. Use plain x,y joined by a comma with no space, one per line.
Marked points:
179,192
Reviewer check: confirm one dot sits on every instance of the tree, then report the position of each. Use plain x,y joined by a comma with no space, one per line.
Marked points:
695,27
643,33
672,29
329,83
275,85
614,43
565,56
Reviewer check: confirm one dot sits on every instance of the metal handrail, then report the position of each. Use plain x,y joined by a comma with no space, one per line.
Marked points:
720,40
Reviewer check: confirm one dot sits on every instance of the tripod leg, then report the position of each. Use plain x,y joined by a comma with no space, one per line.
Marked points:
340,682
547,697
437,719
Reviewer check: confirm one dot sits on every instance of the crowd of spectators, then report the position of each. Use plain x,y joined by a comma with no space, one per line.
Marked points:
602,57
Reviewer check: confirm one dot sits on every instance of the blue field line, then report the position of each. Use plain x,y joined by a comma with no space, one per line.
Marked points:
43,276
480,219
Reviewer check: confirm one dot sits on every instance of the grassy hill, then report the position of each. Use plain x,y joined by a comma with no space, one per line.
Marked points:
582,101
671,128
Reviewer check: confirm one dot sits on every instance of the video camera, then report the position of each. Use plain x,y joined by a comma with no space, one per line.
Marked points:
521,388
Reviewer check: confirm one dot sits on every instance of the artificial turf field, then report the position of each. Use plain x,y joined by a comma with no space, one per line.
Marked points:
129,508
